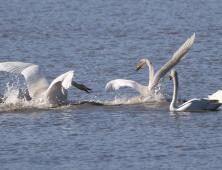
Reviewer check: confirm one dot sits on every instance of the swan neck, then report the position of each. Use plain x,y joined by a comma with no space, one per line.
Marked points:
151,72
76,84
175,92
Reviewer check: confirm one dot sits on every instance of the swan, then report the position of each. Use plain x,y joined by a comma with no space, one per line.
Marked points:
55,93
178,56
195,104
217,95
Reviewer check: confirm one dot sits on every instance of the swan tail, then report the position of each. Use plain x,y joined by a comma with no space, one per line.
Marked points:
213,105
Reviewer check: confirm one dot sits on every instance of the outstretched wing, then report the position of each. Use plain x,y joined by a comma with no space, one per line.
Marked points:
118,83
35,80
177,57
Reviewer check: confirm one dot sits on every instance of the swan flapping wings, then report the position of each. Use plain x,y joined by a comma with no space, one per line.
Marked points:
153,80
37,83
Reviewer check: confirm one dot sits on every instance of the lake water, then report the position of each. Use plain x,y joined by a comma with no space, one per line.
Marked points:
102,41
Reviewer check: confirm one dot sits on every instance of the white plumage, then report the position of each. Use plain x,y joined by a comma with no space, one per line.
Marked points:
217,95
153,80
55,93
195,104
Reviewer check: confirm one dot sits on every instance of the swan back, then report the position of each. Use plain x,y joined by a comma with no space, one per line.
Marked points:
198,104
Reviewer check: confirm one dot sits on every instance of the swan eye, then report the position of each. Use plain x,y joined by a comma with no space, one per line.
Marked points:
170,77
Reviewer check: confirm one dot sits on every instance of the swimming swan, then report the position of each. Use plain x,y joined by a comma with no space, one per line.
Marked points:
55,93
193,104
153,80
217,95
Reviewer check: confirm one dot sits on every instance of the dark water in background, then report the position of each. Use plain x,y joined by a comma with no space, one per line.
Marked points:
102,41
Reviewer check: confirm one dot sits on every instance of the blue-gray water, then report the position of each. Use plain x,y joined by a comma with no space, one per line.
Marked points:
102,41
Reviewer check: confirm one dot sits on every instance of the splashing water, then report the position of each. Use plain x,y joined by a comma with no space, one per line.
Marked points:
16,98
152,97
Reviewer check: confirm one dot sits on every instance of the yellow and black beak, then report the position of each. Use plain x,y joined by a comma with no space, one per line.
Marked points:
138,67
170,77
86,89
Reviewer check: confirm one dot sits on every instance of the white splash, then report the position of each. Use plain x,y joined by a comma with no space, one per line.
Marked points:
151,98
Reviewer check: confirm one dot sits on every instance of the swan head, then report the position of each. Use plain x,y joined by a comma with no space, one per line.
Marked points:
173,74
142,63
81,87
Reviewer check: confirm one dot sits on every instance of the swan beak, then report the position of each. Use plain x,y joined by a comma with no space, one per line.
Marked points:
170,77
86,89
138,67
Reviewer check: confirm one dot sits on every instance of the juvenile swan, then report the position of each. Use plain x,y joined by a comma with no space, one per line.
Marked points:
153,80
55,93
193,104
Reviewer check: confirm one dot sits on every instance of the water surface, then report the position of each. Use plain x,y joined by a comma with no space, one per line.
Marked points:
102,41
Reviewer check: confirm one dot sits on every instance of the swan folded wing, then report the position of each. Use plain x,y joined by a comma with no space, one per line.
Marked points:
35,80
118,83
177,57
200,104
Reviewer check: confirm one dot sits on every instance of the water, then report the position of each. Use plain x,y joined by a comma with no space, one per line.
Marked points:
102,41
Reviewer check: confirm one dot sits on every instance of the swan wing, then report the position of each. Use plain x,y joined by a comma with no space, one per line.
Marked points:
57,91
34,77
177,57
118,83
65,80
199,104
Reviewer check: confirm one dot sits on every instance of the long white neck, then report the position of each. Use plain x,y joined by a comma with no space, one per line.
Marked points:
173,104
151,72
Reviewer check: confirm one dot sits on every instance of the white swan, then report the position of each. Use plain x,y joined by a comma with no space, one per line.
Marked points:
153,80
217,95
195,104
55,93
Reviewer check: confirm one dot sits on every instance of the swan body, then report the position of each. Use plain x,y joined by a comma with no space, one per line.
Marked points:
195,104
217,95
153,79
55,93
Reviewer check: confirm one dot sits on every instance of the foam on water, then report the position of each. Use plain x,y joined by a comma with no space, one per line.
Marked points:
11,101
153,97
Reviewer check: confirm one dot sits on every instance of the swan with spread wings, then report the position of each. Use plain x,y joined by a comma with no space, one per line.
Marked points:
153,79
38,87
